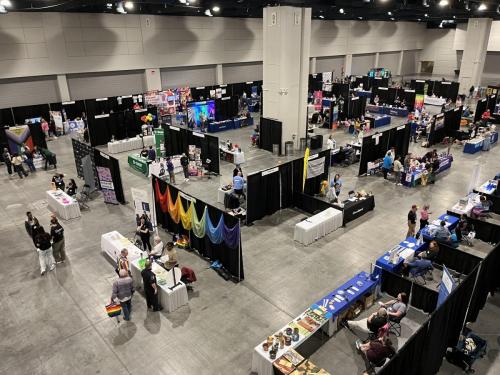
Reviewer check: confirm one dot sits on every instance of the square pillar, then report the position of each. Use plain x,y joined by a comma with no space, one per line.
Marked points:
219,78
286,45
63,88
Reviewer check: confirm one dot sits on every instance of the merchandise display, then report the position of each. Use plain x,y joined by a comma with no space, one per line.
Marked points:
112,244
129,144
235,155
480,143
172,291
394,258
317,226
356,206
418,169
66,206
465,205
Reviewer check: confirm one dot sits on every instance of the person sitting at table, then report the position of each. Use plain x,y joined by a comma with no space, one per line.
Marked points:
238,185
481,209
396,308
144,153
151,153
58,181
376,352
376,100
171,257
463,227
158,248
371,324
71,191
416,266
442,234
431,253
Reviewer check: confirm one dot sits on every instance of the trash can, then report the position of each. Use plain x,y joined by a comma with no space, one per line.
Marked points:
276,149
288,148
303,144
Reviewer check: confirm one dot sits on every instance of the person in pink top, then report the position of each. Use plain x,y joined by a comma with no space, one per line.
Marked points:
424,216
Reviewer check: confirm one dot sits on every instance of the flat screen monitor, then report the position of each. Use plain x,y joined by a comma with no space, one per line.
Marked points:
439,124
200,112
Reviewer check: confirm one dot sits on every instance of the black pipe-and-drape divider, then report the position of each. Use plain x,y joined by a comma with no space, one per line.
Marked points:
485,230
375,146
356,106
227,250
178,140
481,107
102,159
452,119
270,133
418,85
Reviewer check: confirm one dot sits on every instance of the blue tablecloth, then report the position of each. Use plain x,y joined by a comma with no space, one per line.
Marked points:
409,243
472,148
348,295
494,137
451,224
241,122
375,109
218,126
381,121
384,110
444,164
363,93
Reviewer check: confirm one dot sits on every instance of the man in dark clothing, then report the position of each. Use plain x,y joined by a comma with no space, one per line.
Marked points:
376,351
30,222
412,221
185,164
150,287
371,324
151,153
170,169
57,234
29,160
7,160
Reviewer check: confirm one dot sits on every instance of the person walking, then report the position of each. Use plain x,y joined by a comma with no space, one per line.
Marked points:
145,234
424,216
185,164
36,229
337,184
412,221
170,169
123,290
29,159
239,185
17,162
150,287
387,164
398,168
57,234
44,249
30,223
7,159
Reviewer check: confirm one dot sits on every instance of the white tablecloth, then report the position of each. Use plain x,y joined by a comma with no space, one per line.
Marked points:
66,207
238,157
112,244
483,188
170,299
130,144
318,226
432,100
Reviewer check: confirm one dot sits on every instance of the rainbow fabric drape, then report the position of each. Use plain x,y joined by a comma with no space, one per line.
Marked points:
306,159
199,225
216,234
186,216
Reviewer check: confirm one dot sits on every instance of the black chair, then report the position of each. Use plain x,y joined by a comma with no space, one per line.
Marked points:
395,325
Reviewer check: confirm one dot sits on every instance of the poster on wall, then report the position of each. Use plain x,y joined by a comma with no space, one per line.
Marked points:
318,100
159,135
184,96
18,137
446,286
419,101
107,187
56,116
327,81
142,202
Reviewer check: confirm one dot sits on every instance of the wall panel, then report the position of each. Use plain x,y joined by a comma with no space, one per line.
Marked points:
361,64
330,64
28,91
244,72
188,76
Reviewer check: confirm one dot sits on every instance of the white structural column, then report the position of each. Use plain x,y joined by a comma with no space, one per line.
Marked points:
312,66
348,65
219,78
400,62
377,59
153,79
286,41
63,88
476,44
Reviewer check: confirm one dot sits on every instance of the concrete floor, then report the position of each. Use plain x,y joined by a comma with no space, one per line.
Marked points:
56,324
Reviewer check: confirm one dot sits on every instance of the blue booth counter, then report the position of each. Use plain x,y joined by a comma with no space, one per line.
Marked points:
405,249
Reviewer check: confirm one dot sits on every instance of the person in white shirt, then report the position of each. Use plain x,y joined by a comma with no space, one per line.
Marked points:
330,143
158,247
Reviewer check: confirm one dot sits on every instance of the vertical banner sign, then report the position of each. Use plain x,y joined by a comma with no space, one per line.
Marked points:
141,202
159,135
446,286
419,101
58,121
318,100
107,187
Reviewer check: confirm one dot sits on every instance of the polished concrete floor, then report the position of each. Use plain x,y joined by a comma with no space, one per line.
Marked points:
56,324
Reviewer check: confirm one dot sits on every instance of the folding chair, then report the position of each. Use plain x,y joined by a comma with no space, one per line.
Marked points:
395,325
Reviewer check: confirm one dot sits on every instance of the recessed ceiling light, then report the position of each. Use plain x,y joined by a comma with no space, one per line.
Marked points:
454,17
129,5
6,3
208,13
482,6
425,3
426,15
341,10
360,18
182,1
419,19
443,3
392,18
109,5
216,8
321,16
389,13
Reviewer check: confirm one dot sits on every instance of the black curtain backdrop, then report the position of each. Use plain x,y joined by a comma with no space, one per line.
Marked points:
399,138
393,284
382,93
371,151
356,106
492,101
417,85
286,179
409,357
436,135
456,259
104,160
313,185
423,298
226,108
379,82
231,259
409,96
30,111
485,231
6,117
99,130
80,150
255,205
270,133
481,107
452,121
37,135
309,203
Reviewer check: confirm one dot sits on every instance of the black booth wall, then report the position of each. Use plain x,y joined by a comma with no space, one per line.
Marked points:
104,160
177,141
481,107
270,133
452,121
231,259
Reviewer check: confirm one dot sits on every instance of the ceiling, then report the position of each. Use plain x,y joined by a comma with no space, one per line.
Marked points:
400,10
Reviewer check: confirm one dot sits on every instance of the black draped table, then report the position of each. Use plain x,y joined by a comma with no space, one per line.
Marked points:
356,207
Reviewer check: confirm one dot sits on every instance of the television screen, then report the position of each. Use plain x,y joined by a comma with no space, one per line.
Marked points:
439,122
199,112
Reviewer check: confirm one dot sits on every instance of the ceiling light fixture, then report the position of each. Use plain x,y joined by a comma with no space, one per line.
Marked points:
392,18
341,10
467,5
425,3
444,3
426,15
182,1
6,3
3,10
321,16
120,9
360,18
482,7
389,13
208,13
129,5
216,9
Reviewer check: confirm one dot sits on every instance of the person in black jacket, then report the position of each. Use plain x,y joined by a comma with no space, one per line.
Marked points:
185,165
36,229
59,181
57,234
44,249
150,287
145,234
29,223
71,190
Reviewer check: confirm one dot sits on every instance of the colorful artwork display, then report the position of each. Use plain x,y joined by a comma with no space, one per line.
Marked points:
107,187
201,112
318,100
18,137
419,101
